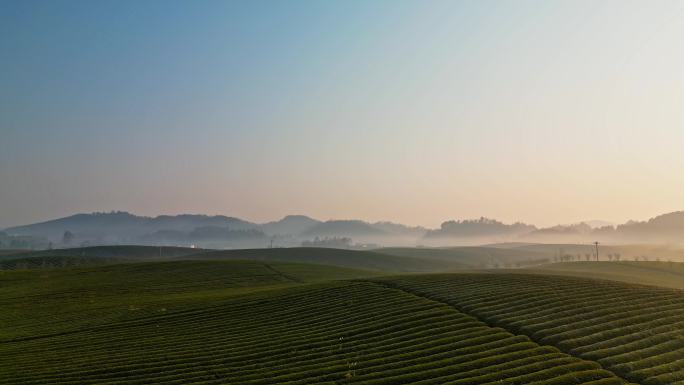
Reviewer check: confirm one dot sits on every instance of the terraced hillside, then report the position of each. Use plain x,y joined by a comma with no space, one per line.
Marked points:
42,302
344,332
254,323
634,331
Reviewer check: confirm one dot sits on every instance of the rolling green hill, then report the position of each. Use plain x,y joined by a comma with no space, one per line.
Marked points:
123,252
261,321
37,302
183,322
356,259
368,260
627,252
473,256
53,262
632,330
666,274
12,252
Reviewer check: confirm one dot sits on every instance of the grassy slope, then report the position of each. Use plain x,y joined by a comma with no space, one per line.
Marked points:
54,262
336,257
333,332
646,273
98,255
468,256
12,251
265,321
128,252
41,302
633,330
627,252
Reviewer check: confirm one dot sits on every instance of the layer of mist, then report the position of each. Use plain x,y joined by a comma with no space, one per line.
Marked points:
298,230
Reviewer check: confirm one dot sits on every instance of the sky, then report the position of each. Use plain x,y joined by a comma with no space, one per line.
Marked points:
417,112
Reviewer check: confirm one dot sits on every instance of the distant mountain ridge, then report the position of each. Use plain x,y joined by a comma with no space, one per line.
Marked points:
290,224
125,224
208,231
483,227
223,231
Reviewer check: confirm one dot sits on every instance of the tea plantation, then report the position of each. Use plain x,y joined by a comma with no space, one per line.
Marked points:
258,322
634,331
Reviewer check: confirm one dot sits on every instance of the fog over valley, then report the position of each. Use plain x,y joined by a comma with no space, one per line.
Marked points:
218,231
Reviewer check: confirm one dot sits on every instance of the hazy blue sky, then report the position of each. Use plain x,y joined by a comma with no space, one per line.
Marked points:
412,111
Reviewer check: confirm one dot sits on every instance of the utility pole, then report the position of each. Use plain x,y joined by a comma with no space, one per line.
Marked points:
597,255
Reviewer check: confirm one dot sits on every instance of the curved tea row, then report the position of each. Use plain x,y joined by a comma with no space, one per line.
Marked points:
344,332
634,331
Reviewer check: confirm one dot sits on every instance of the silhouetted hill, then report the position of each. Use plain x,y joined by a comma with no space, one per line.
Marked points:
663,227
122,226
290,225
478,230
400,230
666,228
92,225
560,233
228,232
344,228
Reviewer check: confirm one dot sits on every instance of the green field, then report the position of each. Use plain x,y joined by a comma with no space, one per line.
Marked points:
370,260
666,274
474,256
124,252
38,303
11,252
53,262
248,322
257,317
627,252
634,331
